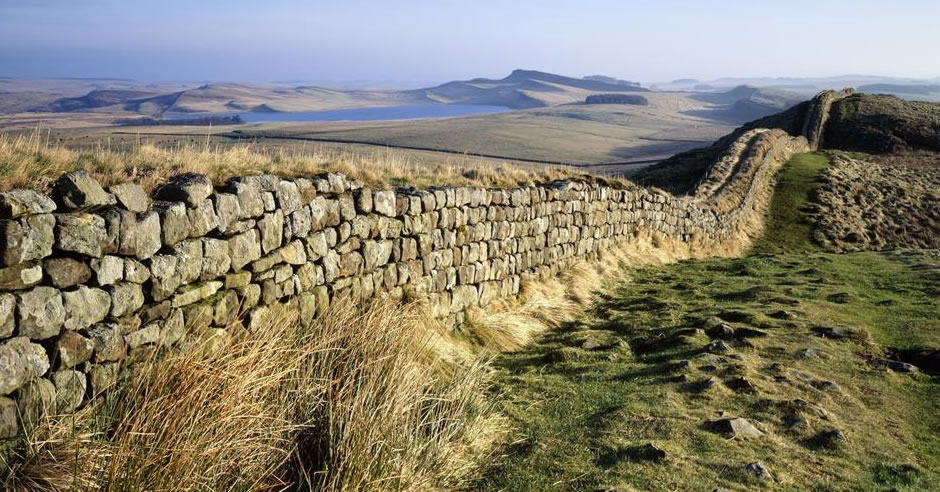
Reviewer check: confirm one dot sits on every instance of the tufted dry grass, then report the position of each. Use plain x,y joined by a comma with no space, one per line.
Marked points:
31,162
348,403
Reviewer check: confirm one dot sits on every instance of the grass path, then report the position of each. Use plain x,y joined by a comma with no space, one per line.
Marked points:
622,398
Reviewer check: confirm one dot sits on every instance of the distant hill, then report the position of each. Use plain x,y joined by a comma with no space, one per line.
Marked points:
523,89
912,89
745,103
878,124
94,100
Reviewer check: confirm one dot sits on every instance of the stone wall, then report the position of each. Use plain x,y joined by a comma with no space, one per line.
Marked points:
92,279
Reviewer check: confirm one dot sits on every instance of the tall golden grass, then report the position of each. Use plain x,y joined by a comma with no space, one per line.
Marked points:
30,161
349,403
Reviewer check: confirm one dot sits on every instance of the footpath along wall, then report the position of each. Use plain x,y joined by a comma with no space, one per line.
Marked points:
91,279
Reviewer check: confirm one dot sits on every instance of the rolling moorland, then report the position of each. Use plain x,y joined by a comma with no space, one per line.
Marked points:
550,122
808,363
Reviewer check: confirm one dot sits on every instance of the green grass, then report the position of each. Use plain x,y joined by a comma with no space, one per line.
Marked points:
788,228
582,414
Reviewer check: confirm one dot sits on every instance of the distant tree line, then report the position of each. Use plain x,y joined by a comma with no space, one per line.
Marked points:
201,121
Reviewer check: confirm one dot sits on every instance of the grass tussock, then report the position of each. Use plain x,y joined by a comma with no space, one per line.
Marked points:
349,403
509,325
31,162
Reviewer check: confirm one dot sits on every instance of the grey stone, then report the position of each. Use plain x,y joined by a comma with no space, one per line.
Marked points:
720,330
895,365
718,346
103,376
202,219
815,353
147,335
108,342
164,280
215,260
227,210
316,246
85,306
347,207
131,196
735,427
251,295
173,329
263,182
195,293
383,202
135,271
66,272
70,387
226,308
288,196
77,190
758,471
236,280
20,202
20,362
363,198
338,183
213,340
244,249
156,311
40,313
20,277
189,260
189,188
31,238
299,222
271,227
7,315
147,235
81,233
250,203
197,317
293,253
9,422
108,270
376,253
126,298
174,222
72,349
35,399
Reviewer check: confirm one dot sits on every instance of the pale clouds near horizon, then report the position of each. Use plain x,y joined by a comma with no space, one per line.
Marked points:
440,40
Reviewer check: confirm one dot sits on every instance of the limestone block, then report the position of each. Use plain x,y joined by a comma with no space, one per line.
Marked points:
40,313
85,306
65,272
108,342
30,238
21,276
77,190
174,221
20,202
20,362
70,387
189,188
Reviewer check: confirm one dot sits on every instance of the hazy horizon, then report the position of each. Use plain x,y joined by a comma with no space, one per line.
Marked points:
420,42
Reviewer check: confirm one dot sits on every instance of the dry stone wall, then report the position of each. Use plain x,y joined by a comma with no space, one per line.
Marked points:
93,279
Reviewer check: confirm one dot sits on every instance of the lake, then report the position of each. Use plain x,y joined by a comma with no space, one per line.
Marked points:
359,114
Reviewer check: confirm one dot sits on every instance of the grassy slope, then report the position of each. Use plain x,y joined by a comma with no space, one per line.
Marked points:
582,415
881,124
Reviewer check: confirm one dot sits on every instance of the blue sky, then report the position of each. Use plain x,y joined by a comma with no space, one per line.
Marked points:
426,40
